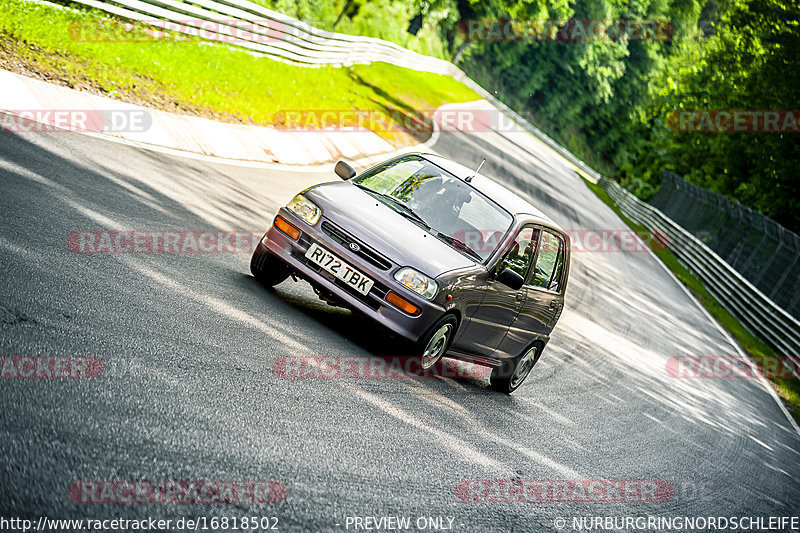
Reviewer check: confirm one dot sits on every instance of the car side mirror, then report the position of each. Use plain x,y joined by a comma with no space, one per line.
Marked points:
510,278
344,171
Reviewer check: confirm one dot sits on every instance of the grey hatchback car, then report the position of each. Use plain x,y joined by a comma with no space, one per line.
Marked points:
438,254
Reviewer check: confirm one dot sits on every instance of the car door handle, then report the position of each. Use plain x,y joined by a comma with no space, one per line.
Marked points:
520,296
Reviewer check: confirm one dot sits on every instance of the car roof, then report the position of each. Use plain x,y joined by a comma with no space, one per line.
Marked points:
507,199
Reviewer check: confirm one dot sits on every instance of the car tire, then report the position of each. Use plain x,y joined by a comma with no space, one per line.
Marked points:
508,377
268,269
434,344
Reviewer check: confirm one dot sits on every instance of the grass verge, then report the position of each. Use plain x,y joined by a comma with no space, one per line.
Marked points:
215,81
758,350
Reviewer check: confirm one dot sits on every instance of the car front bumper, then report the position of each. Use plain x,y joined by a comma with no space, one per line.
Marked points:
373,305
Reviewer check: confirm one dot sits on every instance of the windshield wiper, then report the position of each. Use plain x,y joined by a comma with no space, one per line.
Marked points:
411,215
404,209
459,245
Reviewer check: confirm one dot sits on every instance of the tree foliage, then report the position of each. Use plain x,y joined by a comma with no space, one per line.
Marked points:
609,101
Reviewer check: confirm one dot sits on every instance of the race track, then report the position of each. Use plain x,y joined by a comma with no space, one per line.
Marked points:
188,341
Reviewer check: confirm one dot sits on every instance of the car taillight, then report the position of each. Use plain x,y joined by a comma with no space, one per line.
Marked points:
287,228
398,301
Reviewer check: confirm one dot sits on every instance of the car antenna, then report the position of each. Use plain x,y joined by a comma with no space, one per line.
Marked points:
469,178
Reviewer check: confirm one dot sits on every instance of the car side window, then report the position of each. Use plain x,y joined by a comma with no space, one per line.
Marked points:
522,249
549,263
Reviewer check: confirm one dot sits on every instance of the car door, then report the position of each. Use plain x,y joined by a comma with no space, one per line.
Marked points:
501,304
544,294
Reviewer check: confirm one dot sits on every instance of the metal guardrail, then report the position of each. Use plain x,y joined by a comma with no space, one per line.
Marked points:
267,32
760,249
758,313
289,40
285,39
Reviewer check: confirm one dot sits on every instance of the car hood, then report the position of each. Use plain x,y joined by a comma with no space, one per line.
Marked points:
376,224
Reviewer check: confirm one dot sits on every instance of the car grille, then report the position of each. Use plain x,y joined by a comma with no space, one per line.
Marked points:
364,252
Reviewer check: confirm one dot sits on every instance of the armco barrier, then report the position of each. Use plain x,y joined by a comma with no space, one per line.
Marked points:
760,314
763,251
289,40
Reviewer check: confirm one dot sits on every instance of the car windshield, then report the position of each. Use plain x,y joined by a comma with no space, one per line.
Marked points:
449,208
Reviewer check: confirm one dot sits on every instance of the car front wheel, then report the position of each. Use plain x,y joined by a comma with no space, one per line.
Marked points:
432,346
508,377
268,269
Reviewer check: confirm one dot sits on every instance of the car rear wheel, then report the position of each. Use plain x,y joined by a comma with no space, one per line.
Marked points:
268,269
433,345
508,377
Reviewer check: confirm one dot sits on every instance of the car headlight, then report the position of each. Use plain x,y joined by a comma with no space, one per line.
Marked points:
419,283
305,209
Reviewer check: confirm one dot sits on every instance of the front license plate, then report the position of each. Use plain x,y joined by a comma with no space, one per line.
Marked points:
340,269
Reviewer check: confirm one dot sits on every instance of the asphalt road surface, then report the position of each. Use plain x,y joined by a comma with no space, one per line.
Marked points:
188,341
